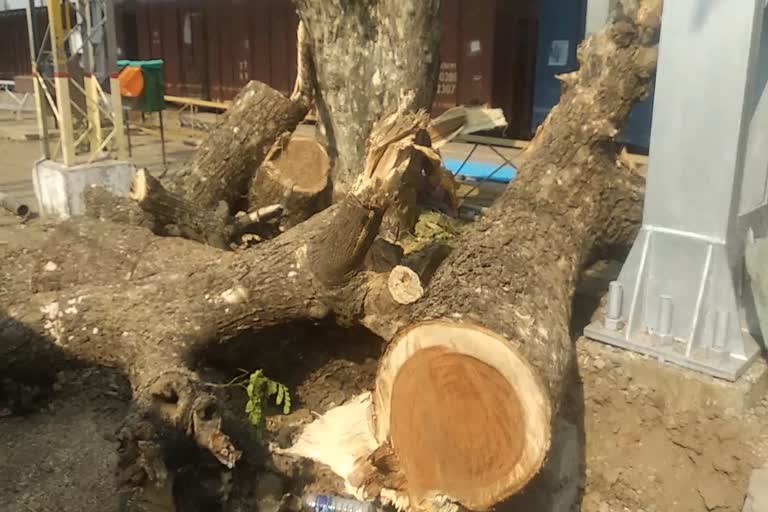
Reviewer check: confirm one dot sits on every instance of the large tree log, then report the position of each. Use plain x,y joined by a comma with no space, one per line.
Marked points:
151,313
221,169
467,391
215,183
508,283
364,72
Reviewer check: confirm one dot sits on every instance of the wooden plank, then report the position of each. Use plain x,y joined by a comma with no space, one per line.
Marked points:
182,100
637,158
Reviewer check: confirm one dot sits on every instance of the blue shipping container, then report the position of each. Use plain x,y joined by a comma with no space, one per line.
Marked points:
561,29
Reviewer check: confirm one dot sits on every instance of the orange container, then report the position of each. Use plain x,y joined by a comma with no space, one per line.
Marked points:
131,82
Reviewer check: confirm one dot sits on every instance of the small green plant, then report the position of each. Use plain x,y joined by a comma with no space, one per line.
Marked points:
259,389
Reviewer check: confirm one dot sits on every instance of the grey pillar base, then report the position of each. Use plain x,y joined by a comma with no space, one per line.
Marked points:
679,298
682,294
59,189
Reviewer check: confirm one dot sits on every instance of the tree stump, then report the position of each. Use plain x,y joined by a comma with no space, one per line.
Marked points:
297,176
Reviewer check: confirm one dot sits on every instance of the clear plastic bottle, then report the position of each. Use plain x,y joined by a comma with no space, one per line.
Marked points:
331,503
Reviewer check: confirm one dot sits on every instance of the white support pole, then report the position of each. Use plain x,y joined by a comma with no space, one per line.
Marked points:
40,105
92,96
682,294
117,100
61,81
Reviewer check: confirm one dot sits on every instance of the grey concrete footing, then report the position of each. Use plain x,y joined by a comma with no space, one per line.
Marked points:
59,189
682,389
757,494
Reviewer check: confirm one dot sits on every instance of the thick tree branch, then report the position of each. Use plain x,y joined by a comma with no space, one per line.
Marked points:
151,317
364,72
502,297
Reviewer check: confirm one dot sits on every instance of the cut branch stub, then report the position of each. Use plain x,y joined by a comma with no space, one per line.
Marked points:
465,414
404,285
296,176
174,215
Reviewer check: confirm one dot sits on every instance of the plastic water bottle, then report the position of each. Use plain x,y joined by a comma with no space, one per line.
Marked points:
330,503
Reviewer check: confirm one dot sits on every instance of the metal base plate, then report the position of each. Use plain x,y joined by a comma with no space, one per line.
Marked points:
717,364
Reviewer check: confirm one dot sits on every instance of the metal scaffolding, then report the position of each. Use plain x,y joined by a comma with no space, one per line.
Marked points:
91,45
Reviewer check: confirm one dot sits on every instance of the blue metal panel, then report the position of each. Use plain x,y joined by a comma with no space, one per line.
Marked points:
637,131
561,29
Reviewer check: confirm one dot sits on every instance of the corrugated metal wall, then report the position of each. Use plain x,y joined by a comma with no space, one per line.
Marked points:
466,68
212,48
516,45
14,49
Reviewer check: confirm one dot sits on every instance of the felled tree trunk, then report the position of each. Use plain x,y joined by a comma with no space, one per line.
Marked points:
150,306
206,194
221,169
486,345
296,176
466,393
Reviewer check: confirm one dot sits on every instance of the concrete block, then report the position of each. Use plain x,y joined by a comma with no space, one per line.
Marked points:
59,189
757,494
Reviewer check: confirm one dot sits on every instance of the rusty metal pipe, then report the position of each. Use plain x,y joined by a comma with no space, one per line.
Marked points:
13,206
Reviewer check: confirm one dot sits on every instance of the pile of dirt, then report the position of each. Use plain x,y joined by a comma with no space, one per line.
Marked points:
643,455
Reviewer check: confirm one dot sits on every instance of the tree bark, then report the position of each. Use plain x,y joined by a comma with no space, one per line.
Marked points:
225,162
151,306
466,394
214,185
151,313
176,216
365,72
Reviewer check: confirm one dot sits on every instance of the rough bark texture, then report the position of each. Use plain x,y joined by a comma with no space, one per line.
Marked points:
224,164
297,177
364,71
149,305
214,185
103,205
515,271
176,216
151,318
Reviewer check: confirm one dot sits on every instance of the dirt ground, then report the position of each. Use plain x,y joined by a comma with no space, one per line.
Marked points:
642,455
